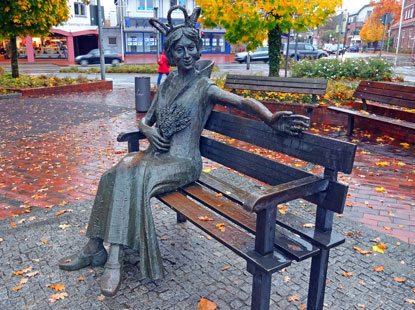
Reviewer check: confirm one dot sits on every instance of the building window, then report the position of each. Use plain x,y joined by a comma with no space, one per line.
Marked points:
402,38
145,5
80,9
178,2
410,38
112,40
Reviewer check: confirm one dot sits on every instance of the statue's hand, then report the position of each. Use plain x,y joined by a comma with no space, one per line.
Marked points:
292,124
161,144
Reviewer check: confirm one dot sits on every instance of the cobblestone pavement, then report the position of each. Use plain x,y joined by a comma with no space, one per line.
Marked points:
52,153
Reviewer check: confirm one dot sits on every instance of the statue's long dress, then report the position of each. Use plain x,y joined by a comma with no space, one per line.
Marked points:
121,213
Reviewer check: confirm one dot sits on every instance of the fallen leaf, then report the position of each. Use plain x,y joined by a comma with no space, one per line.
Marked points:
225,268
101,297
286,279
303,307
340,287
361,306
399,280
20,272
387,228
380,189
63,211
58,287
44,240
31,274
363,252
308,225
362,283
205,304
382,163
64,226
219,194
12,224
347,274
58,296
379,269
1,240
17,288
23,280
205,218
295,297
294,247
381,247
81,279
410,301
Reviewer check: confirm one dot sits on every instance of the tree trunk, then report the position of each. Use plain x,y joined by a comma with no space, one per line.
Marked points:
274,46
14,63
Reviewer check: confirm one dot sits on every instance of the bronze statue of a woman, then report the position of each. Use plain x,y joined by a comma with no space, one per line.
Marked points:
121,213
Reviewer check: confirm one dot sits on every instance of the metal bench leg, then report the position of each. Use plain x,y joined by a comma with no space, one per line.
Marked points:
317,284
180,218
261,288
350,124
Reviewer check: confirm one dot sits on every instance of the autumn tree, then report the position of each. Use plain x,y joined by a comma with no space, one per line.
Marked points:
29,17
372,29
253,21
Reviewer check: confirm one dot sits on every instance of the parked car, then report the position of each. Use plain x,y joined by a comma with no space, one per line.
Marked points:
260,54
93,58
331,49
353,49
304,50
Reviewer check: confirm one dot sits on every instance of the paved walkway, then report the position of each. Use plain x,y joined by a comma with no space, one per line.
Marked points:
53,151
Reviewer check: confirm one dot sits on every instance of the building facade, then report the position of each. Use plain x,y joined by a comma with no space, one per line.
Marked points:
136,36
407,35
75,37
355,24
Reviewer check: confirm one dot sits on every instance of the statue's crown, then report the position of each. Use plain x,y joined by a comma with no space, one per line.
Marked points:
189,21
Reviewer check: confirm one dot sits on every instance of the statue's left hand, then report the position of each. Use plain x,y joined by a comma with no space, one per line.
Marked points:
292,124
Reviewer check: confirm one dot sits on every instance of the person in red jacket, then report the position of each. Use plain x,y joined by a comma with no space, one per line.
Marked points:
163,67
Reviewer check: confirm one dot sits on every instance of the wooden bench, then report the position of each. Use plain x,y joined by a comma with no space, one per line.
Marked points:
253,229
304,86
387,105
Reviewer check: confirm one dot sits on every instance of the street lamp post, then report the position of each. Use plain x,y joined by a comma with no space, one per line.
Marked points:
399,32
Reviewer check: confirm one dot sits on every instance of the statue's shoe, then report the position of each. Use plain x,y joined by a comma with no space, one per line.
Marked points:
111,279
82,260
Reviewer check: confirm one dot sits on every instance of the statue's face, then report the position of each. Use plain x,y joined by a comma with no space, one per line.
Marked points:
185,54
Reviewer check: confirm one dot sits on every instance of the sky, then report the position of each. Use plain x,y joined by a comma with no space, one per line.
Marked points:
353,6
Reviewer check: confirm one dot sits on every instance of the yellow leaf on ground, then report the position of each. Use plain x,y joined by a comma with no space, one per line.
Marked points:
382,163
399,280
295,297
17,288
205,304
57,296
308,225
58,287
379,269
380,189
381,247
207,170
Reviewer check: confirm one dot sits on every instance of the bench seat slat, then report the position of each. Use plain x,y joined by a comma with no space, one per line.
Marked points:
384,119
403,89
385,99
275,86
233,237
269,172
294,223
338,155
290,244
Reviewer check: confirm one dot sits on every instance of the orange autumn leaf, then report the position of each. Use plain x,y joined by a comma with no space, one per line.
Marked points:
12,224
205,218
44,240
387,228
205,304
399,280
347,274
58,296
219,194
17,288
379,269
225,268
295,297
81,279
20,272
363,252
63,211
410,301
381,247
58,287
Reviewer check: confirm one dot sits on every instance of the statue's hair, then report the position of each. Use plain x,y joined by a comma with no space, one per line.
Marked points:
174,37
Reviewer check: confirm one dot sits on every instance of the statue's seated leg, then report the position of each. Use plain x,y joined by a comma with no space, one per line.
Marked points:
111,279
92,254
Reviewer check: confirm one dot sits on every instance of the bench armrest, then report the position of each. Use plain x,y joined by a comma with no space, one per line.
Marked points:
286,192
132,138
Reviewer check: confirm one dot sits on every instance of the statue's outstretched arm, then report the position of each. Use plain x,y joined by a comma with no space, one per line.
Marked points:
153,135
285,121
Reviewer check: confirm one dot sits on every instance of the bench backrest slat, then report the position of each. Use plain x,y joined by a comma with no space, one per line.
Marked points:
276,84
387,93
330,153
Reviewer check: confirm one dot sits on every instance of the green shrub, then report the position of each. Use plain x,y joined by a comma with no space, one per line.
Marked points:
353,68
